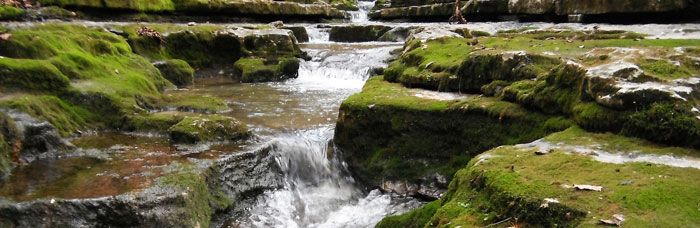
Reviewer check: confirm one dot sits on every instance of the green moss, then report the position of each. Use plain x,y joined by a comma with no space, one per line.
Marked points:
489,190
416,218
192,103
357,33
666,70
8,136
86,71
159,122
135,5
202,202
55,12
176,71
10,13
261,70
207,128
666,123
198,45
31,75
414,136
66,118
344,4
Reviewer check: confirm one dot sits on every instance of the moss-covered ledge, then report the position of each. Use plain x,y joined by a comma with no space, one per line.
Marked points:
416,134
643,185
603,80
238,8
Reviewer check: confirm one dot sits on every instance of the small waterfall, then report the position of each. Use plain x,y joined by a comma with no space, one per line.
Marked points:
361,14
318,34
318,191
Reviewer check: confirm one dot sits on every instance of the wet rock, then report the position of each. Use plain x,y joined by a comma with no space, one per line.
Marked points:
34,139
531,6
267,42
265,70
246,174
9,135
431,187
40,141
623,85
397,34
176,71
357,33
424,138
299,33
431,33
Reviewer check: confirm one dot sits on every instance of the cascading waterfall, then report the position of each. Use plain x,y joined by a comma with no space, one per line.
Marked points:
318,190
361,14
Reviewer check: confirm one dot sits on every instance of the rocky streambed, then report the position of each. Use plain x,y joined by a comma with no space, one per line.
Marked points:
346,124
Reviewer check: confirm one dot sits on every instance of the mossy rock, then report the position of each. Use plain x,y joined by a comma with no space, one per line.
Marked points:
207,128
176,71
31,75
344,4
78,73
9,134
515,182
195,103
357,33
55,12
599,91
158,122
412,137
10,13
262,70
299,33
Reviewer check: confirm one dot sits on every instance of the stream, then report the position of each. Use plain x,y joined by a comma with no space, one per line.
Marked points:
295,118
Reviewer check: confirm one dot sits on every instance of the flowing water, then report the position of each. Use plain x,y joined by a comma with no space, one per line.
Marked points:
295,118
318,191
